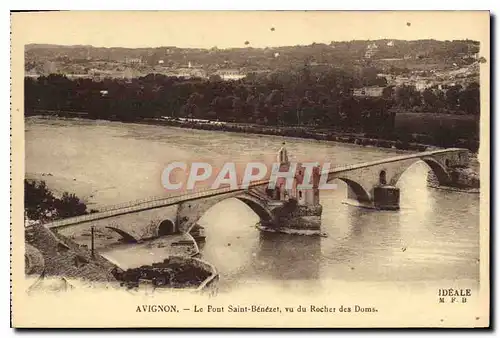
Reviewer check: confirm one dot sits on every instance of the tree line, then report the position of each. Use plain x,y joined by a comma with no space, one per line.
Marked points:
310,96
304,97
451,99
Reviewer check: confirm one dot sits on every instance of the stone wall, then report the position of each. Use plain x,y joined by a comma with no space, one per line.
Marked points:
302,217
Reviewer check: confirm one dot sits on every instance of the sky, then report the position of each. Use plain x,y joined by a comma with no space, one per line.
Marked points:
232,29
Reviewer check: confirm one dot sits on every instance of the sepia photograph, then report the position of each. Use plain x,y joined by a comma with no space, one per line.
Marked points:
250,169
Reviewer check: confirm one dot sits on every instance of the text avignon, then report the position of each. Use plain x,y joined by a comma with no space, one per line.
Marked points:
156,308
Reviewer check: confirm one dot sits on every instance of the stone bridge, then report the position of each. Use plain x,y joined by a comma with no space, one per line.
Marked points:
159,216
362,178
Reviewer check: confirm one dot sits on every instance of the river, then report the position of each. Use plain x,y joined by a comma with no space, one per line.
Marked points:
433,237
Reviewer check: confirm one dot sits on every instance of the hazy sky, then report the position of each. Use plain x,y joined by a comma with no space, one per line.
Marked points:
232,29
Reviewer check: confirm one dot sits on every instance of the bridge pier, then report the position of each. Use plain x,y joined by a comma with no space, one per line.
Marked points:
293,218
383,197
303,219
386,197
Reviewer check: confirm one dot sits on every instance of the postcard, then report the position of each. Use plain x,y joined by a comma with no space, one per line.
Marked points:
272,169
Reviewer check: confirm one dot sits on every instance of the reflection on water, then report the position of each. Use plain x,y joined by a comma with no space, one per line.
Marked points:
434,236
243,254
299,256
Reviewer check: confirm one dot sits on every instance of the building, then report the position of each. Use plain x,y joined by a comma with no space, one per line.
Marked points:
305,193
281,191
300,198
230,74
374,91
133,60
188,73
371,50
423,84
308,196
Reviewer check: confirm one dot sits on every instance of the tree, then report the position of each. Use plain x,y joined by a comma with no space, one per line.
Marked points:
452,97
38,201
41,205
274,98
469,100
430,98
214,78
407,96
69,205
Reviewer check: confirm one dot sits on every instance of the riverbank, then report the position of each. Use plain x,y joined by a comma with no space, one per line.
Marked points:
94,257
57,263
286,131
398,140
409,142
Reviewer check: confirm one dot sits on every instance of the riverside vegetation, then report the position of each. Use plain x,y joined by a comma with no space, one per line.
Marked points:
40,204
304,100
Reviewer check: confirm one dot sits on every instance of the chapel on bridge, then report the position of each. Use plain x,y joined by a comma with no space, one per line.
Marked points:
304,196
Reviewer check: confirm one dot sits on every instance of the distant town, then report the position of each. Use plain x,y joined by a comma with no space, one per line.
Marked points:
375,87
423,63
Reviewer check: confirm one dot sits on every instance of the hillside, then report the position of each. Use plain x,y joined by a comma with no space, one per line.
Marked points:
386,54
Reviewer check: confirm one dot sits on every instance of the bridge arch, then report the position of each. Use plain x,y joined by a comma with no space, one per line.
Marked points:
166,227
190,213
257,206
355,190
125,235
437,168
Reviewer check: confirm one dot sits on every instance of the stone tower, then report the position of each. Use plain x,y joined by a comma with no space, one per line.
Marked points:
282,193
301,209
283,156
308,196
